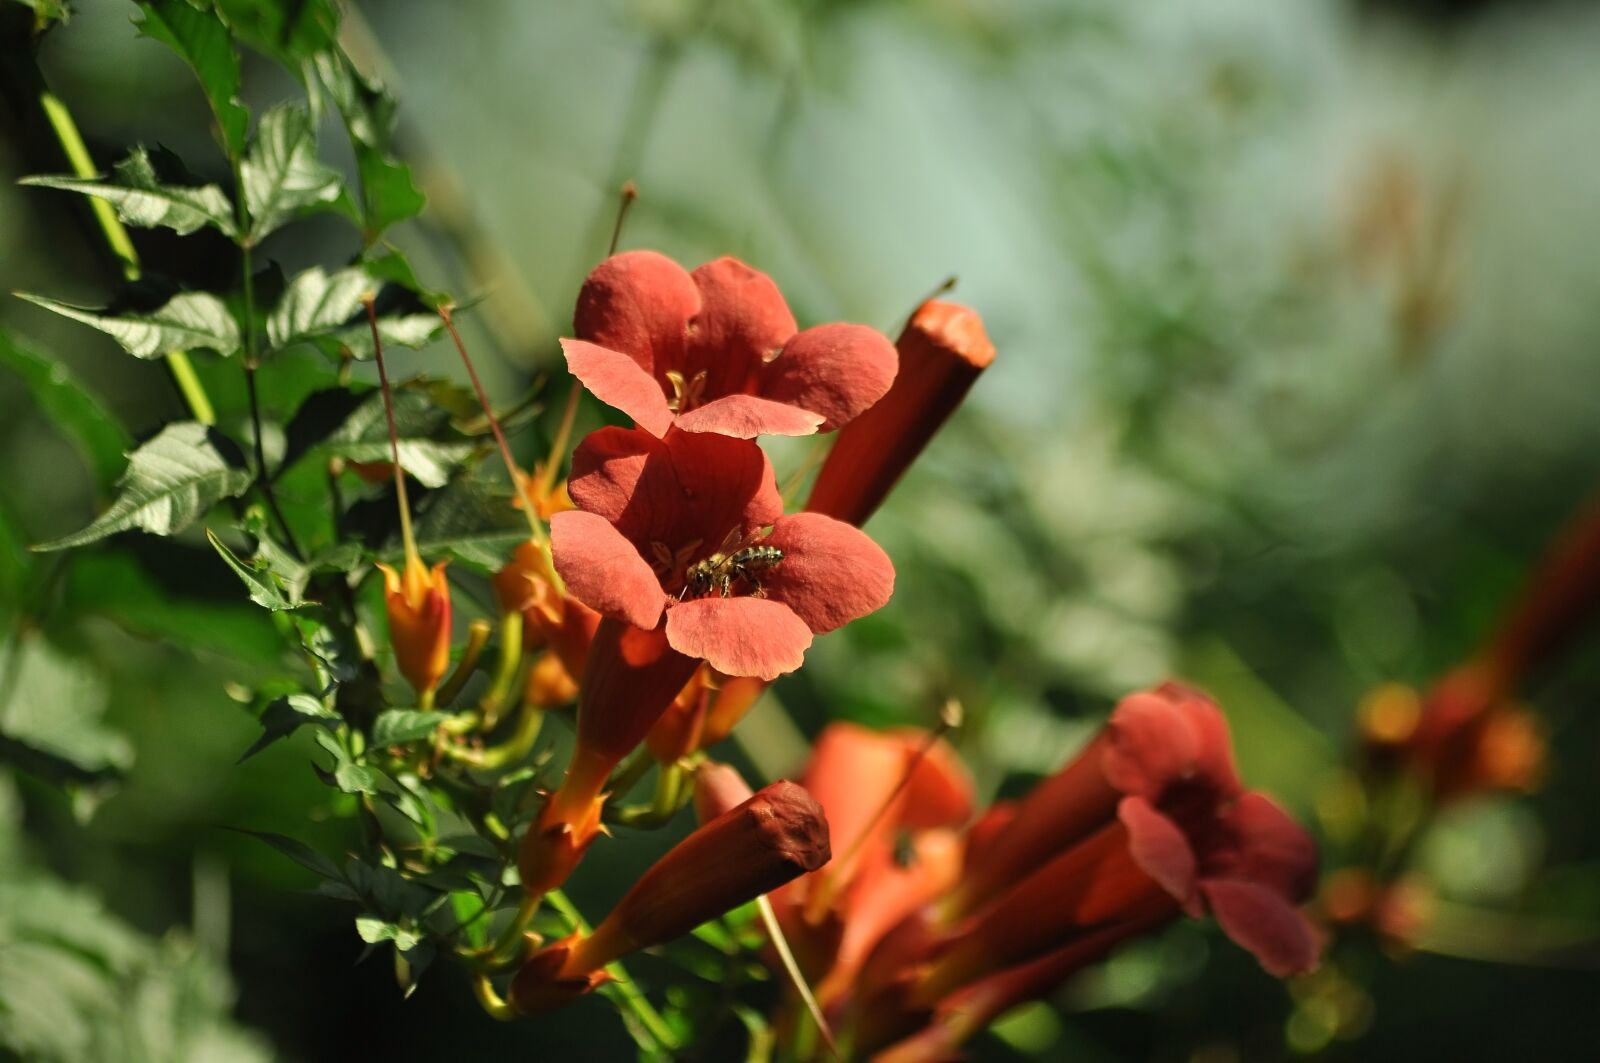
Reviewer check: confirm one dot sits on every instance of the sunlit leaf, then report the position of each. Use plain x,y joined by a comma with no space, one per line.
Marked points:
202,41
317,301
347,775
188,320
281,174
143,199
172,481
73,409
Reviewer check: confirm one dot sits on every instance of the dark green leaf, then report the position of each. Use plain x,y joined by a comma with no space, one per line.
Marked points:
399,726
202,41
281,174
347,775
73,409
298,851
389,194
472,520
172,481
286,715
362,432
187,320
288,31
267,589
396,330
52,705
143,199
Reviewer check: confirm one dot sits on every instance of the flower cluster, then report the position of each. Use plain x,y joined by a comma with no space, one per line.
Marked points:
913,955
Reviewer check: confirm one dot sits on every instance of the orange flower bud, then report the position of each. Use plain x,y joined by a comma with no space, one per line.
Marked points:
942,352
418,604
752,849
734,698
550,686
678,732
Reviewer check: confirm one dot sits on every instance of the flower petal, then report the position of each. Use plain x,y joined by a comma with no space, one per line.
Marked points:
747,416
1274,930
1269,848
1161,850
830,574
740,636
603,570
686,488
836,370
618,381
939,789
743,321
639,303
1158,742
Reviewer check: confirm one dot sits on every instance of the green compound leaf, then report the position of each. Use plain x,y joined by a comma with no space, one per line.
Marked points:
187,321
281,174
172,481
142,198
202,41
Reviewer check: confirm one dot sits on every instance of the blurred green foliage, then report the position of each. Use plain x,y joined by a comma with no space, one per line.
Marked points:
1296,378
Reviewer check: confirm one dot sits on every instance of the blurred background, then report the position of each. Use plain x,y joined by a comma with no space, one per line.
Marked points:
1299,330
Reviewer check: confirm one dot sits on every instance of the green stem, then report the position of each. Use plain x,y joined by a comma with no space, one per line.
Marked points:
178,364
505,674
624,988
513,749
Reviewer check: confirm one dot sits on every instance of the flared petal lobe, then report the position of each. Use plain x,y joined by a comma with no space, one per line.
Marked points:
835,371
620,381
603,570
743,323
753,637
639,303
831,573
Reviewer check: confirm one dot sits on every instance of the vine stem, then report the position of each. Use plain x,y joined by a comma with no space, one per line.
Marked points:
626,989
178,364
518,480
406,536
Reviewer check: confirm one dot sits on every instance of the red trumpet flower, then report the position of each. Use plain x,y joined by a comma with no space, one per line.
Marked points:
717,350
678,526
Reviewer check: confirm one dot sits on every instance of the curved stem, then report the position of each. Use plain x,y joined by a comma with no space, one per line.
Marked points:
406,536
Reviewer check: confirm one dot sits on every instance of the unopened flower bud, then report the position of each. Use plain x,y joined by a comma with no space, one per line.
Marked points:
752,849
418,604
942,352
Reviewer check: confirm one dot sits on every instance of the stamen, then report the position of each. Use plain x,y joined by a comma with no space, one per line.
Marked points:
630,192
